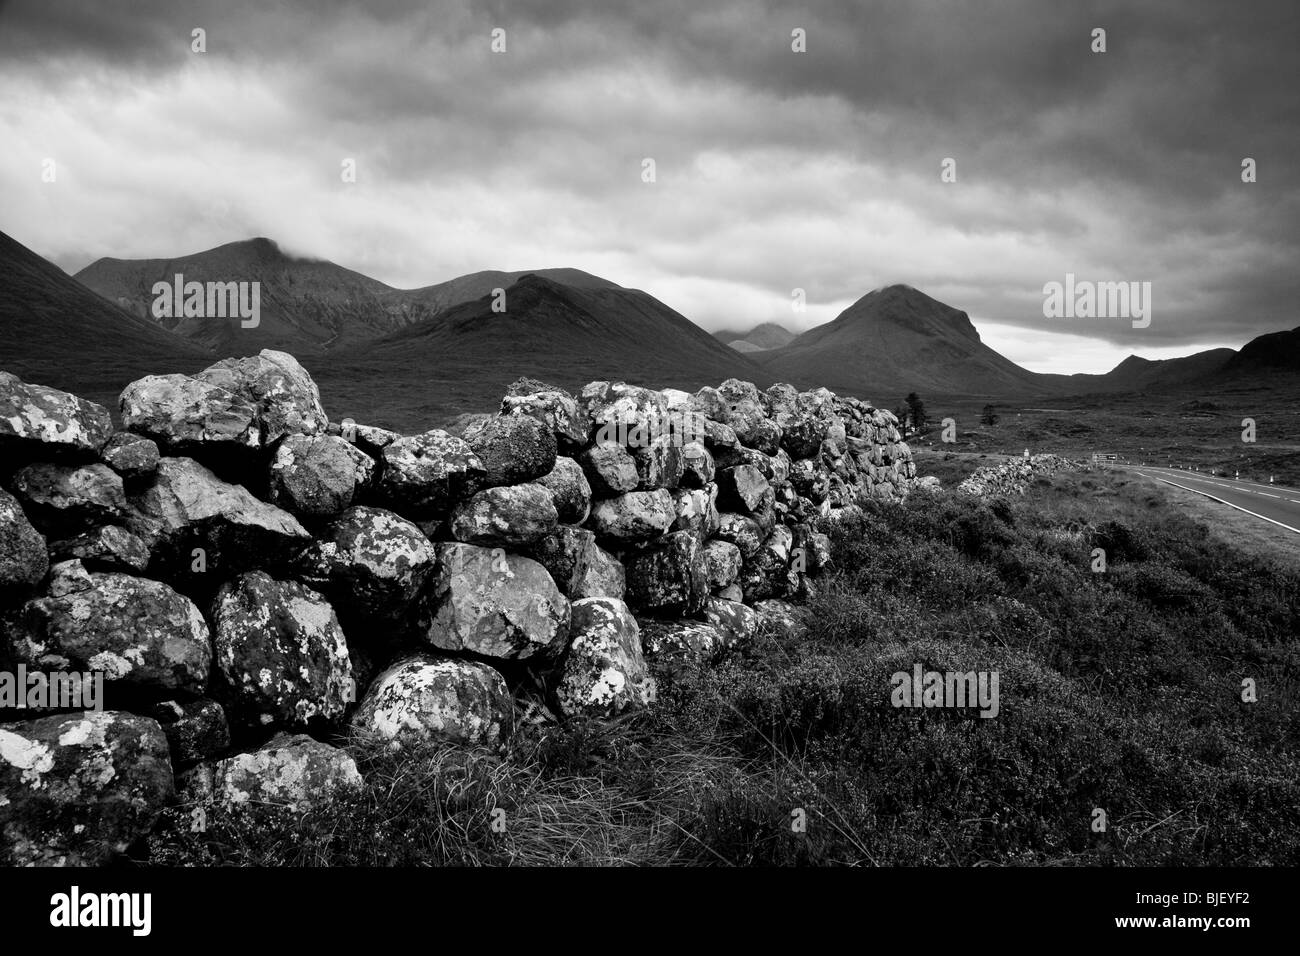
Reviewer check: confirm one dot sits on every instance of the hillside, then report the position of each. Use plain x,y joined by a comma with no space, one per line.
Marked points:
57,332
768,335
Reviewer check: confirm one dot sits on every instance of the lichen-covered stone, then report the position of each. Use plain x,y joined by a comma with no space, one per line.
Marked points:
634,516
23,560
659,463
295,772
182,413
139,632
510,516
721,563
131,455
610,469
781,617
668,576
513,449
604,672
578,565
461,702
553,407
570,489
36,417
281,652
70,497
733,619
494,604
698,469
196,729
78,789
676,646
742,531
696,511
318,475
425,475
284,399
106,548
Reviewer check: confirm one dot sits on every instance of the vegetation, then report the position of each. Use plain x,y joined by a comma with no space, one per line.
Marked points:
1120,691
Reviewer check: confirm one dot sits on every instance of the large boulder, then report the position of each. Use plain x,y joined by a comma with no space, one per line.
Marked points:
295,772
668,576
70,497
510,516
281,652
186,507
23,560
743,489
43,420
659,463
374,564
737,622
512,448
570,489
578,565
603,673
283,396
77,789
425,475
461,702
627,415
139,633
183,414
106,548
493,604
635,516
318,475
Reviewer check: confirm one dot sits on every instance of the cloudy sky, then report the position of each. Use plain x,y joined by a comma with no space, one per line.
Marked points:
774,169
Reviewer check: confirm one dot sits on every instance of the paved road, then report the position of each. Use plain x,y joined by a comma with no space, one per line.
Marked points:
1272,503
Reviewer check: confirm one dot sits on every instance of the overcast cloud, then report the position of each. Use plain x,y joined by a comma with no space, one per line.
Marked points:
775,169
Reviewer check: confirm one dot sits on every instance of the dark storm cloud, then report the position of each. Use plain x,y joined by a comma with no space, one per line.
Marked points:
776,170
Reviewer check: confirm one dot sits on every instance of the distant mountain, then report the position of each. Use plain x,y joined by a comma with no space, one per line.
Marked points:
1136,374
308,306
896,340
462,359
1275,352
769,335
54,331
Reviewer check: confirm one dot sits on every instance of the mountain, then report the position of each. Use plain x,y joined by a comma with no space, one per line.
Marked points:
1136,374
463,358
308,306
769,335
1273,352
897,340
57,332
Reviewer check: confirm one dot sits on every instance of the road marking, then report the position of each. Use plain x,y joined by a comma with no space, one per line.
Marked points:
1206,476
1198,491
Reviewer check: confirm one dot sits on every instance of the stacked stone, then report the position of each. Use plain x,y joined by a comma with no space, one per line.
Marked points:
254,580
1013,477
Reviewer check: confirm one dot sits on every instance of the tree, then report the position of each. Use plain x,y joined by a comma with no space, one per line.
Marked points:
917,409
990,416
902,414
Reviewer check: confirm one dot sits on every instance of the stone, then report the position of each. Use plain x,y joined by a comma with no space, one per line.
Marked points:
294,772
570,490
196,729
512,448
186,507
696,511
373,564
698,467
318,475
493,604
46,420
634,516
106,548
721,563
578,565
604,672
627,415
781,618
553,407
668,577
23,559
131,455
139,632
425,475
510,516
734,620
659,464
422,699
280,651
284,399
742,531
70,497
678,646
183,414
610,469
78,789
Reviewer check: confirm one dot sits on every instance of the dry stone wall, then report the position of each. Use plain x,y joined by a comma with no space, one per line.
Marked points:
250,582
